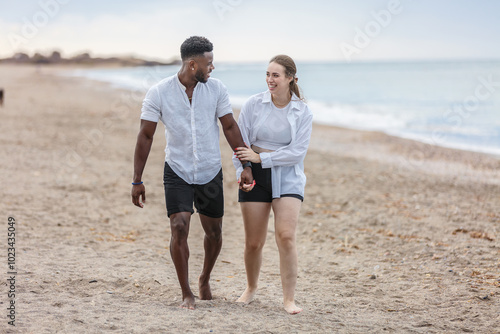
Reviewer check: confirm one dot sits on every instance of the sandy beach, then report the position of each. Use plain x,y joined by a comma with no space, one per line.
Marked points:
395,236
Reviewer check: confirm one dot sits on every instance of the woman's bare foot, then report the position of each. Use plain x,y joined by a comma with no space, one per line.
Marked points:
291,308
188,303
247,296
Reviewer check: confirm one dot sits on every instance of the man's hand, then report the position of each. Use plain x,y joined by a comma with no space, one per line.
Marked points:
142,148
246,180
139,191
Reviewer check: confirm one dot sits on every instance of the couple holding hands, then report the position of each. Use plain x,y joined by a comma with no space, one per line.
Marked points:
270,142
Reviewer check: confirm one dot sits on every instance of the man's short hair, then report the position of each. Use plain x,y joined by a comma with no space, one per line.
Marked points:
195,46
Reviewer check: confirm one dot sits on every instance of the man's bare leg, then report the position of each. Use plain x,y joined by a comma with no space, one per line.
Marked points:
255,219
179,250
212,244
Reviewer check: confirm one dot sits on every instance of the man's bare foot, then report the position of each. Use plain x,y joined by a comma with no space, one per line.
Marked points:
247,296
291,308
205,292
188,303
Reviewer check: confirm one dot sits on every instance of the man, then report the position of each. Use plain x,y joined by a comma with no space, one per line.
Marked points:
188,104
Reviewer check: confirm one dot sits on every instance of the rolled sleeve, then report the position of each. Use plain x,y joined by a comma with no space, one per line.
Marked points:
150,106
223,103
267,162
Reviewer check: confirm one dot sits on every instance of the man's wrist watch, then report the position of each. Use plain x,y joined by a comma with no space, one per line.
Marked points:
247,164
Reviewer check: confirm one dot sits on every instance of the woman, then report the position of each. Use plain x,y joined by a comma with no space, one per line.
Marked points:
277,124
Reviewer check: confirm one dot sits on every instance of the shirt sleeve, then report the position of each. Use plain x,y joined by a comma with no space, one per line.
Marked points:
244,125
223,103
151,110
295,152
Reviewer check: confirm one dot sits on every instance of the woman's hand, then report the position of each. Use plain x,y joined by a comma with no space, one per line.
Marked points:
246,187
247,154
246,181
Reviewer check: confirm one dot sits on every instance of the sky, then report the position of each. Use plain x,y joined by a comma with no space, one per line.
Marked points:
256,30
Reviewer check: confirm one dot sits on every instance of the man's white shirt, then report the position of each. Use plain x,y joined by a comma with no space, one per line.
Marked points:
191,129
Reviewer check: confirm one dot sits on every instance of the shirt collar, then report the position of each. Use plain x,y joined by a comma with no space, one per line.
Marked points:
179,82
294,102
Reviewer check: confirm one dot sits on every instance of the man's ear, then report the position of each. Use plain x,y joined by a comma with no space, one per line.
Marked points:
192,64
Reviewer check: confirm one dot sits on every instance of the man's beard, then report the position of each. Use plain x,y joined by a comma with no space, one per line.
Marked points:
200,76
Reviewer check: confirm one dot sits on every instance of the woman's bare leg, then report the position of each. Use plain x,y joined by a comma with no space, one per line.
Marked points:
255,219
286,213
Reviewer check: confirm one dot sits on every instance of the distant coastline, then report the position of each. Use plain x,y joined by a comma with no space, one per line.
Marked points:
82,59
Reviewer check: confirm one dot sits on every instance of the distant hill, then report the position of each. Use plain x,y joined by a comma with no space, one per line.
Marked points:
81,59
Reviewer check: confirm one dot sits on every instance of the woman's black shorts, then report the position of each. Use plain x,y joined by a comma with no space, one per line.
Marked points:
180,195
263,191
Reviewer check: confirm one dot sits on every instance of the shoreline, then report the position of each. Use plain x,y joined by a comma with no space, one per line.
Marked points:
393,235
494,152
407,154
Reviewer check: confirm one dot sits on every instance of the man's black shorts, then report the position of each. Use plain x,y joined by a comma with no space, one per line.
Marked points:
180,195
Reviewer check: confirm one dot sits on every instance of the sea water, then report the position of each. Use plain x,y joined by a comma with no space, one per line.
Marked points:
447,103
